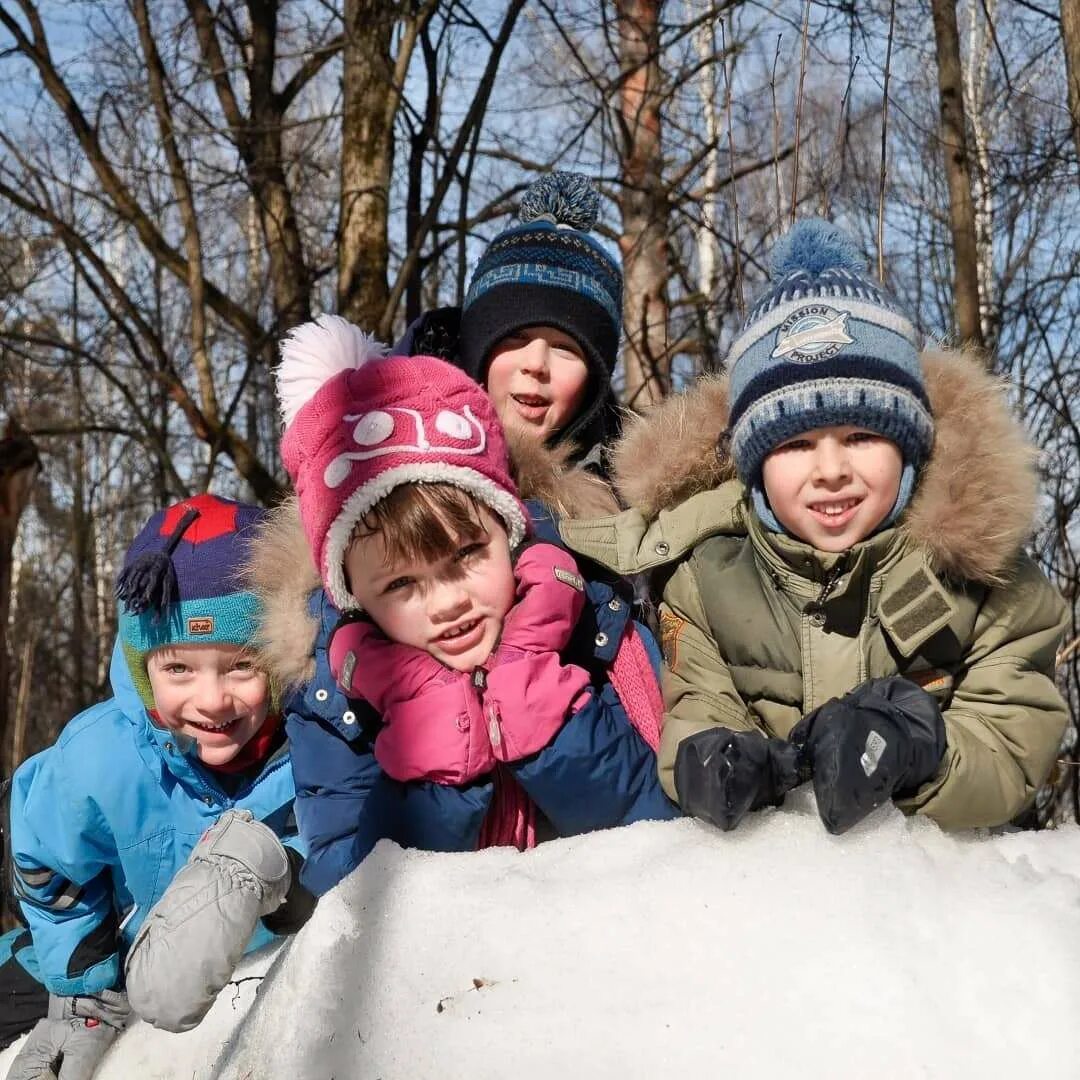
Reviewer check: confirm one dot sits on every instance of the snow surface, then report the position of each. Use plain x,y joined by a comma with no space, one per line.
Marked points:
665,950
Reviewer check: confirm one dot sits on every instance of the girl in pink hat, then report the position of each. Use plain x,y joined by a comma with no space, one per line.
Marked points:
466,686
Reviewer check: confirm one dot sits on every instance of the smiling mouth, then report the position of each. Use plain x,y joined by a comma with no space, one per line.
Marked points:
217,728
836,513
459,631
835,509
531,401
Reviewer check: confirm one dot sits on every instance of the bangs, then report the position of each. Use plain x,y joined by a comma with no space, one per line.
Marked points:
424,522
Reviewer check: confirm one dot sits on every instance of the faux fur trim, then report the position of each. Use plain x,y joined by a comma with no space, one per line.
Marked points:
672,451
282,573
975,504
546,474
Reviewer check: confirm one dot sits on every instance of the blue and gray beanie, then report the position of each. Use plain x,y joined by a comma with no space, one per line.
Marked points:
825,346
180,584
549,271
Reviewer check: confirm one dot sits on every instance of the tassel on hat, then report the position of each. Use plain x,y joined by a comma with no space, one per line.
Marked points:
149,583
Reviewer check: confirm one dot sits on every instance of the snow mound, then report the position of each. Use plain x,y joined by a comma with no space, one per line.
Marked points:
666,950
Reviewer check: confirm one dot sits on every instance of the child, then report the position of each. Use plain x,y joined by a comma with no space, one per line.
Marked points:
540,324
493,677
105,819
859,607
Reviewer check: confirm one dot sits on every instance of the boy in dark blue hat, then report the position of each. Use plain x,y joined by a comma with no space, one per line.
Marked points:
540,326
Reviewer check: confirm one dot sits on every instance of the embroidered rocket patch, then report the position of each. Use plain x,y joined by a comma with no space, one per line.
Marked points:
815,332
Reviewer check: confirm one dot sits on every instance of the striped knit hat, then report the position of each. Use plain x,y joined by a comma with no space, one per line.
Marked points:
825,346
180,582
549,271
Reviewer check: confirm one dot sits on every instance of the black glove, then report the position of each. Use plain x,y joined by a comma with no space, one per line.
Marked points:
885,738
721,774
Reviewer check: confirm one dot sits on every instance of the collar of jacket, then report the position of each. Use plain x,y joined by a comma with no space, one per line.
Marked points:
974,506
912,606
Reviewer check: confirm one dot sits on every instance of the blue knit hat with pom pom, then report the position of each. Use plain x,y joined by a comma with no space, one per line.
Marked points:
549,271
825,346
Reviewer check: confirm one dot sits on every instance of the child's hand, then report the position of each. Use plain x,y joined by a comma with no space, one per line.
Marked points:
720,774
72,1041
193,937
884,738
550,599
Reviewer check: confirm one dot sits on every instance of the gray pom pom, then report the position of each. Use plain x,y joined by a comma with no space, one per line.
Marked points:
815,245
568,198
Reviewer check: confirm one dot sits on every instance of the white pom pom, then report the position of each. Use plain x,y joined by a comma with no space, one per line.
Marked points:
316,351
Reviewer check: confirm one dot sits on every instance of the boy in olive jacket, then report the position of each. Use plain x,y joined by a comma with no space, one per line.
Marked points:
836,530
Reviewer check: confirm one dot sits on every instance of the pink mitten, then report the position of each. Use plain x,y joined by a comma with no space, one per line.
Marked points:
550,599
530,692
433,727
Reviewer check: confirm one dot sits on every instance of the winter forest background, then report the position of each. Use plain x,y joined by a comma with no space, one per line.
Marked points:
181,182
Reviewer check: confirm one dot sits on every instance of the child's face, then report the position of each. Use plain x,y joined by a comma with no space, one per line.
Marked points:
452,608
537,379
833,486
213,693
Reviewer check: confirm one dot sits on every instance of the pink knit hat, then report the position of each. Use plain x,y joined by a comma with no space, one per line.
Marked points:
359,424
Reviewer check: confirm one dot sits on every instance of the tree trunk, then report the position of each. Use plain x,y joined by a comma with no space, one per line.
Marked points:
1070,37
958,172
367,156
19,464
644,205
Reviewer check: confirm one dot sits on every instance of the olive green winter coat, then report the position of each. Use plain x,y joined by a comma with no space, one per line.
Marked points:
758,628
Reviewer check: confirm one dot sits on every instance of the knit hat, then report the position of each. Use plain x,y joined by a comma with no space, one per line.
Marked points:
360,424
180,584
548,271
825,346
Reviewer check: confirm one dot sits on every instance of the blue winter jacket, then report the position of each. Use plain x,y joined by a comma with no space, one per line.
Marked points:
102,821
595,774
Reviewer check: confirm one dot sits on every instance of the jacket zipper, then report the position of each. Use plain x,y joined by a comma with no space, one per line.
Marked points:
817,606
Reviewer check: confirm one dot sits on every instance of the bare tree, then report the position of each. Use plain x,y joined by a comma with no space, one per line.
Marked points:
958,171
19,465
1070,38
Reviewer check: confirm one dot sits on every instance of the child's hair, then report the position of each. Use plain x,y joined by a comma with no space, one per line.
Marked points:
423,522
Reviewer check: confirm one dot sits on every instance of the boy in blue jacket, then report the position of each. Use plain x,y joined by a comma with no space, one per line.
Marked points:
106,823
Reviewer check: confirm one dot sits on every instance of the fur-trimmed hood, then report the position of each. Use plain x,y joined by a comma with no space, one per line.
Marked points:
973,509
282,572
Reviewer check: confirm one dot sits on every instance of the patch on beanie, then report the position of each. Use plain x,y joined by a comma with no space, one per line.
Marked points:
200,625
815,332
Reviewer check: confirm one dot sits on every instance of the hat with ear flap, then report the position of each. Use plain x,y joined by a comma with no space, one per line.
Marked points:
359,424
825,346
181,583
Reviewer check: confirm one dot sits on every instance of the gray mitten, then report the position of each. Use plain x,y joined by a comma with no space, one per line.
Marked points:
70,1044
188,947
